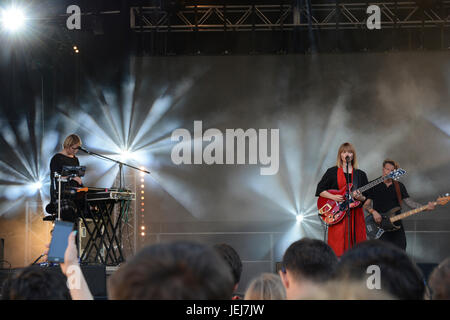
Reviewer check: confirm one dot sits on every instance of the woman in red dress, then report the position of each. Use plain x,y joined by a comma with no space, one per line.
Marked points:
336,178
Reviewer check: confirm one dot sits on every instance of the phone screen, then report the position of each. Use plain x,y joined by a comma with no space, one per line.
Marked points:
59,242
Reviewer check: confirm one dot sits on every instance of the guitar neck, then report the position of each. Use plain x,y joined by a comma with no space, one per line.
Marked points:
409,213
373,184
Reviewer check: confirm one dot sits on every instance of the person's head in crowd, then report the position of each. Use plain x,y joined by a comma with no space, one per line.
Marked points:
346,290
36,283
398,275
439,281
232,258
306,263
267,286
172,271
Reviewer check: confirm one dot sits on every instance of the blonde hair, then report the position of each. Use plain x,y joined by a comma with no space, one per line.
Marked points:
347,146
71,140
267,286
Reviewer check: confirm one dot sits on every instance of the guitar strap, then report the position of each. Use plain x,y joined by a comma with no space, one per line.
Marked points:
397,190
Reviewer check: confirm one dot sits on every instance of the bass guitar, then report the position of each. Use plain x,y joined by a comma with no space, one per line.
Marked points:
332,212
375,230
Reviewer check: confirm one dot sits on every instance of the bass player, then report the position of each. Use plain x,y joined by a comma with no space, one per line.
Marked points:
386,196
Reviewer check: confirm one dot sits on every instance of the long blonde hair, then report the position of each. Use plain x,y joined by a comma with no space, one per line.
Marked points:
347,146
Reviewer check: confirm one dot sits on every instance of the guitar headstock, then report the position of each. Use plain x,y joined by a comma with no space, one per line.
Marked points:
444,199
396,174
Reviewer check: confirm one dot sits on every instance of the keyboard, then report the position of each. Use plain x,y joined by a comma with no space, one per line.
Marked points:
98,194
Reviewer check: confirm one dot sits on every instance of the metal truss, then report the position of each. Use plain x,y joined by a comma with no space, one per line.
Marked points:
339,15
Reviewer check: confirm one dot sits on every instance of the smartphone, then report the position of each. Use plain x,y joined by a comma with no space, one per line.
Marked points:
59,242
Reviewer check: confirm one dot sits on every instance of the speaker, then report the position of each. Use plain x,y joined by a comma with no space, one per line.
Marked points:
83,240
95,276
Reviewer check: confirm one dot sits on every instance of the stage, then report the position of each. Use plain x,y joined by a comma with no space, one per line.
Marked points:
236,120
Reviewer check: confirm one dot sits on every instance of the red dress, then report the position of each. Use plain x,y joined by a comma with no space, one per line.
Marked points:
338,233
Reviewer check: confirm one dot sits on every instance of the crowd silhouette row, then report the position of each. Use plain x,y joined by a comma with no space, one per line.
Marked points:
183,270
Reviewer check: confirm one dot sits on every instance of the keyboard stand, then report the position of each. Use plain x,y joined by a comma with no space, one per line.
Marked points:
103,241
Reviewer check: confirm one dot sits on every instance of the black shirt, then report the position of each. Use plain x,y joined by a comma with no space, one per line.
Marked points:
56,164
330,181
384,198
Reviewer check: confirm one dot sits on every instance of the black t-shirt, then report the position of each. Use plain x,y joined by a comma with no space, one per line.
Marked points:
56,164
330,181
384,198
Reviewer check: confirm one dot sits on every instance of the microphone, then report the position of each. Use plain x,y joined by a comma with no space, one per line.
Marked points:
347,159
84,150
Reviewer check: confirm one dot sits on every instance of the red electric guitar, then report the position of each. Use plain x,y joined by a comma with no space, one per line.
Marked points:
332,212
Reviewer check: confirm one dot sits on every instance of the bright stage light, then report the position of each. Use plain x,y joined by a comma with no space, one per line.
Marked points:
13,19
37,185
125,155
299,218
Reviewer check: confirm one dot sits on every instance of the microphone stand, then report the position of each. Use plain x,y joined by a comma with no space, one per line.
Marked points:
348,205
59,179
121,164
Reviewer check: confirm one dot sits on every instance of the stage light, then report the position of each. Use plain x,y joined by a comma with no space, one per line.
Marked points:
36,186
13,19
75,48
128,154
299,218
143,228
125,155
